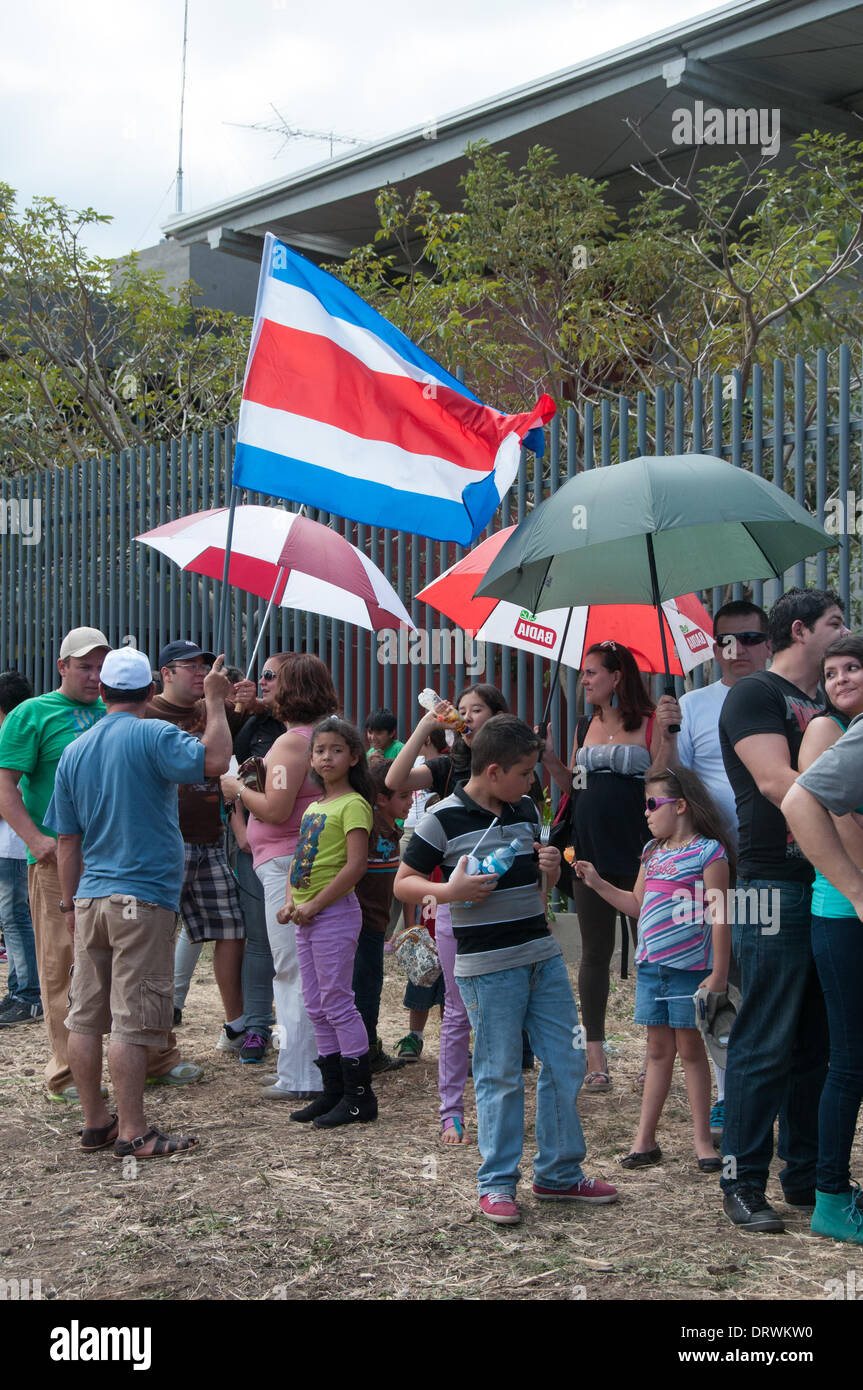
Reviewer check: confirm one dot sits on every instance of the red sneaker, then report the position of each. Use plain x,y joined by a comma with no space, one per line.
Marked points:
500,1207
588,1190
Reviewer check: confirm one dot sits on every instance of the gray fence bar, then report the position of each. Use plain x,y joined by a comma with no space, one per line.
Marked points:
86,568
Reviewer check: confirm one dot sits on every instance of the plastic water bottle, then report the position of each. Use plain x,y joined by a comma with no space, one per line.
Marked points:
449,717
498,862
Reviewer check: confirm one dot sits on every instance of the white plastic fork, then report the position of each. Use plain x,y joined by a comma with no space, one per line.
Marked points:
544,839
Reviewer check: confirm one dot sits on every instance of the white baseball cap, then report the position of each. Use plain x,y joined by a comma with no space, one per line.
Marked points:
82,640
126,669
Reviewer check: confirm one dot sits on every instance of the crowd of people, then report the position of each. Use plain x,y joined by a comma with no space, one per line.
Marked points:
701,824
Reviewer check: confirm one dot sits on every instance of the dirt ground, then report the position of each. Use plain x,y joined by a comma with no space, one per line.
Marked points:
268,1209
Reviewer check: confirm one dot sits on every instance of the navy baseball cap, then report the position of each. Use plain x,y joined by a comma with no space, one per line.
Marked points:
182,651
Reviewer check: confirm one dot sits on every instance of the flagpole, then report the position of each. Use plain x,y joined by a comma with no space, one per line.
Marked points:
224,610
262,629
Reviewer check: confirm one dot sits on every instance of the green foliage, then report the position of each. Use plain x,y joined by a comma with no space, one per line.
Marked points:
535,284
97,357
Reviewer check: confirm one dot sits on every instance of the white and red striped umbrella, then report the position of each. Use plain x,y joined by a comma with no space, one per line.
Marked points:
565,634
285,557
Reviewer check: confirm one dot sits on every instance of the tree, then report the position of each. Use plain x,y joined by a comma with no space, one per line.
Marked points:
536,284
95,357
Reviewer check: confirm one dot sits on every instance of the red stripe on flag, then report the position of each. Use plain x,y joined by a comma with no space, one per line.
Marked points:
306,374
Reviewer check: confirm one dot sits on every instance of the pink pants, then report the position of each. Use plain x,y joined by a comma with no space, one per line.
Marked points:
455,1027
326,951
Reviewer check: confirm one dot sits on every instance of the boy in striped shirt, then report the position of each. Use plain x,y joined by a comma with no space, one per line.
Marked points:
509,969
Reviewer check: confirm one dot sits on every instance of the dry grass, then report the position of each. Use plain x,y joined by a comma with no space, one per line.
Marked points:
270,1209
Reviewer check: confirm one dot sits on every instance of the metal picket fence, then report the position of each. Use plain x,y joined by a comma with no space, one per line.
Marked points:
68,557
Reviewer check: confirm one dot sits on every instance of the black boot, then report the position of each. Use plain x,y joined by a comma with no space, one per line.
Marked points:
331,1070
359,1103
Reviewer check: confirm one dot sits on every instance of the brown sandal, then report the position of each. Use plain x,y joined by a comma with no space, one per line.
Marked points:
597,1081
163,1147
93,1139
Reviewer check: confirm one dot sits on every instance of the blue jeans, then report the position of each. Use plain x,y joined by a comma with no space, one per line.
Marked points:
777,1052
837,945
369,979
537,998
258,968
23,980
186,953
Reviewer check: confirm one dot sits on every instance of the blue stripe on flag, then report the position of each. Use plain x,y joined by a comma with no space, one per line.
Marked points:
343,303
365,500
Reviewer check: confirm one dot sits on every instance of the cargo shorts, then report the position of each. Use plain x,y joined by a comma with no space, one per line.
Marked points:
123,975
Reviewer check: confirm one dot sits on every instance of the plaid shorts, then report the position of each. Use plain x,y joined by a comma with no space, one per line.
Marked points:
210,901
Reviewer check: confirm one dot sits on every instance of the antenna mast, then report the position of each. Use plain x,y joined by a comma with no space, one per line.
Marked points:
182,106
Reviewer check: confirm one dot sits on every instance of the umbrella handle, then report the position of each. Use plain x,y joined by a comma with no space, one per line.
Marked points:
654,584
672,728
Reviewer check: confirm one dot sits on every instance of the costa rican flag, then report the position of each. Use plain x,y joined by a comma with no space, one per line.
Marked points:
341,411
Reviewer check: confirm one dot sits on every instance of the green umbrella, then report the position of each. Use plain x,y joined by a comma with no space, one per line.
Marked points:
648,529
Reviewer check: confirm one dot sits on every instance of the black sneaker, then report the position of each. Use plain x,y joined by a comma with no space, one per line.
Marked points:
748,1208
254,1047
802,1198
381,1061
18,1012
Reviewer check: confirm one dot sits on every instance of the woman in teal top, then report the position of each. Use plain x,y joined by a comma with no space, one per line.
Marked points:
837,945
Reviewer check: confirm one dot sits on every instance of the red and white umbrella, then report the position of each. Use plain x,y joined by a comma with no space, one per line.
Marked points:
286,558
565,634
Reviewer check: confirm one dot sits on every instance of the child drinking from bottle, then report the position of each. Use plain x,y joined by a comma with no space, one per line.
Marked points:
680,897
330,858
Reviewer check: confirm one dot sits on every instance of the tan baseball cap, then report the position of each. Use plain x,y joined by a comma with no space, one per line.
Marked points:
82,640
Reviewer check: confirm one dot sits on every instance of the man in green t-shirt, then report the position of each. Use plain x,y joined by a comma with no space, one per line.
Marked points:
32,738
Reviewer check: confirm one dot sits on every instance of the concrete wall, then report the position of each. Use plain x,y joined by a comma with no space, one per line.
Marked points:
227,281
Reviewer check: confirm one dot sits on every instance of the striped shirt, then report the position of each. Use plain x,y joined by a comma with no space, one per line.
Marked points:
674,927
509,928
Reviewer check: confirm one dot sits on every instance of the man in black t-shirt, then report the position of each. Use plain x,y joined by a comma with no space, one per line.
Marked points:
777,1053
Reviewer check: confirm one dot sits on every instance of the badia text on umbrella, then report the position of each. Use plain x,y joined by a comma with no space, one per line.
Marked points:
431,647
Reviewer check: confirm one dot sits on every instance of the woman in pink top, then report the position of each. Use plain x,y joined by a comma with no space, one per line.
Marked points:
304,695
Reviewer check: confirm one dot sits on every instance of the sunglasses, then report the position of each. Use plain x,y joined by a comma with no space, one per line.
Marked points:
653,803
269,675
746,639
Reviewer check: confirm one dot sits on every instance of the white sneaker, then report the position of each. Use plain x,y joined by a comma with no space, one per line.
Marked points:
229,1041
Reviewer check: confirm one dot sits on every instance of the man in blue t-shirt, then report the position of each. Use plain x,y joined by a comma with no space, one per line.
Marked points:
120,861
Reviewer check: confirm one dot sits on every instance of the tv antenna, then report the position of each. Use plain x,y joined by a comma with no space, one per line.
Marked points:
182,109
281,126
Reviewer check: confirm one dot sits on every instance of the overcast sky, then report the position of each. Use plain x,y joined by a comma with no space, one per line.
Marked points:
90,91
